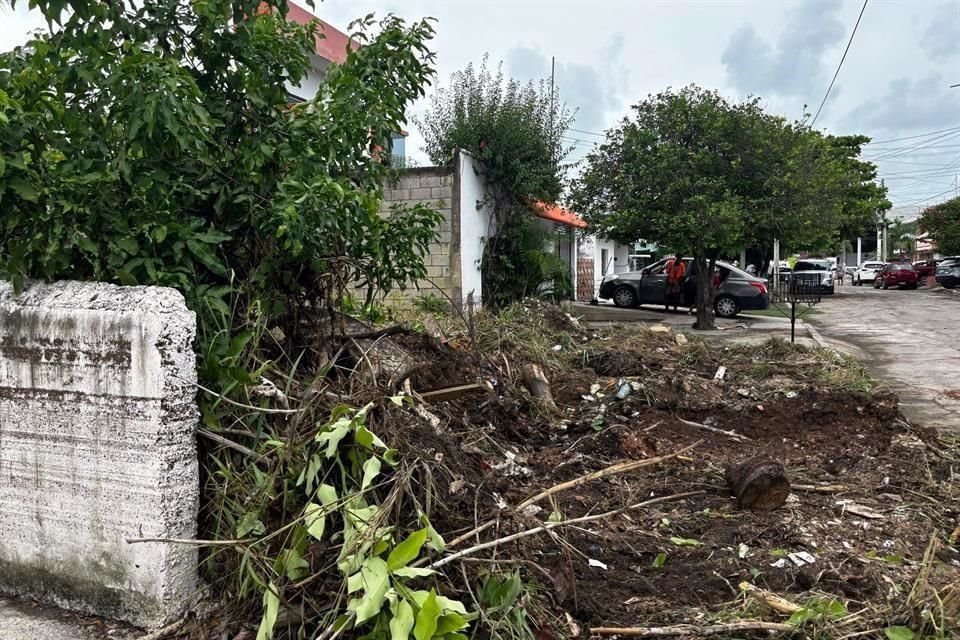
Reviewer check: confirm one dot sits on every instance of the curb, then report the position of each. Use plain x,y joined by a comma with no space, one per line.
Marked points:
816,336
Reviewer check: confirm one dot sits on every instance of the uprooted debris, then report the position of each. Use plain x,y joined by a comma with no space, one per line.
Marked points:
607,513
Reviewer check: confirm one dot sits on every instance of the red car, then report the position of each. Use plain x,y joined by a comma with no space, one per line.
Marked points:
925,268
897,274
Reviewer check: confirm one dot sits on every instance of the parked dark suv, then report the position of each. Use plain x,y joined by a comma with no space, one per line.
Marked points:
735,289
948,272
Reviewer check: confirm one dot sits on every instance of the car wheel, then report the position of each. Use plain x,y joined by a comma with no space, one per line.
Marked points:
885,285
624,297
947,286
726,307
876,284
914,285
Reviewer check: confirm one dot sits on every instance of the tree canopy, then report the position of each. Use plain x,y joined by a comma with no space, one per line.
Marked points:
696,173
942,222
515,131
156,143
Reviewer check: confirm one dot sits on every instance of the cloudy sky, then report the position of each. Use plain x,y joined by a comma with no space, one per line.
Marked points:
894,83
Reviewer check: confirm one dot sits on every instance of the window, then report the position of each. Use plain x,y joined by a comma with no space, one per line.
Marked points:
810,265
604,259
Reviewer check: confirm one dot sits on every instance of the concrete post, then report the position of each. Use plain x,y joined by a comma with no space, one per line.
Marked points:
97,420
859,251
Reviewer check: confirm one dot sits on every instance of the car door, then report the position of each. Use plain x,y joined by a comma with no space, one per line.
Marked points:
653,285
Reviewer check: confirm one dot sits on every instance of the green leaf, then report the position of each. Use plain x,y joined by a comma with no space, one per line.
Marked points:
376,581
206,256
413,572
685,542
434,540
371,469
402,621
327,495
397,400
801,616
250,524
315,520
333,436
449,623
366,439
292,564
271,607
426,624
407,551
23,188
659,561
899,633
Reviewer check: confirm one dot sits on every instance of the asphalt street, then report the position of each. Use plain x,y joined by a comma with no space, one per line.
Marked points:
910,339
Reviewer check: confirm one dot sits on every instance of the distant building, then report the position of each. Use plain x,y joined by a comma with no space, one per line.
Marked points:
332,46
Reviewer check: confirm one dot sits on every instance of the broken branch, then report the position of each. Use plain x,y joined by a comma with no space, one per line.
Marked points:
730,434
621,467
553,525
770,599
693,630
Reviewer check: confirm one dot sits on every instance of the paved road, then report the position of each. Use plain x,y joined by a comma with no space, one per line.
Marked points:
911,339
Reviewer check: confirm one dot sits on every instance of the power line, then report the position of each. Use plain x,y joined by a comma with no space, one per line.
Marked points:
921,135
600,135
910,204
844,57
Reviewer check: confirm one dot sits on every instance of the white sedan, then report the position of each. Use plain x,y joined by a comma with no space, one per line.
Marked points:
866,272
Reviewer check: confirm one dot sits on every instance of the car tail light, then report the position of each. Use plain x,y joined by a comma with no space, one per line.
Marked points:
760,286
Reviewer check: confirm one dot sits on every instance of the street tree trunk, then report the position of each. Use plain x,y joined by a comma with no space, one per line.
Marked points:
704,299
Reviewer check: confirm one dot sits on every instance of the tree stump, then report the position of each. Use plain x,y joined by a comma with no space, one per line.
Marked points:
758,483
535,380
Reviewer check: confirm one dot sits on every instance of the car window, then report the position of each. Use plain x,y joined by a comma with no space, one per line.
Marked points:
872,265
901,267
807,265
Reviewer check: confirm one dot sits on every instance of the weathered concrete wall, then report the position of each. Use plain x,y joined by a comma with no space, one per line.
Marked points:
97,419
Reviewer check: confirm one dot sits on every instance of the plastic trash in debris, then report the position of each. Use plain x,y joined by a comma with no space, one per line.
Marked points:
623,389
596,563
556,347
594,388
721,371
791,394
801,558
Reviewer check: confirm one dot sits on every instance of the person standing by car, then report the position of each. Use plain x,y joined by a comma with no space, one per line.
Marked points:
676,270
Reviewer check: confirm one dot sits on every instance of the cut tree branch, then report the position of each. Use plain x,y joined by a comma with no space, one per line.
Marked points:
690,630
553,525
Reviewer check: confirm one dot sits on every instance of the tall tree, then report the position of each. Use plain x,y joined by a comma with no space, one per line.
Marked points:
515,131
671,174
942,222
695,172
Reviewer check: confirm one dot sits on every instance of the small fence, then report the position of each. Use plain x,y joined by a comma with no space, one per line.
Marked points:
794,294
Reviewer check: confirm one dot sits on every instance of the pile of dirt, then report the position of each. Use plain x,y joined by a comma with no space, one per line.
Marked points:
610,503
870,490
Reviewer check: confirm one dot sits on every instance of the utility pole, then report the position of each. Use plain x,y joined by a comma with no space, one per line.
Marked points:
553,61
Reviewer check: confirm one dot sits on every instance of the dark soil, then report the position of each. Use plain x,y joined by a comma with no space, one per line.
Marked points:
821,437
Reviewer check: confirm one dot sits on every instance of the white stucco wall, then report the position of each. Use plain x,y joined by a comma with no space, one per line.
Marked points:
474,225
97,421
309,86
621,253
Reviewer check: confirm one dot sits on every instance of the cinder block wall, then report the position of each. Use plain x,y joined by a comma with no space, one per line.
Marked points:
436,187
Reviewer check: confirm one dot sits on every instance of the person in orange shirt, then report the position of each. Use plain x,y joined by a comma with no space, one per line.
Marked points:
676,274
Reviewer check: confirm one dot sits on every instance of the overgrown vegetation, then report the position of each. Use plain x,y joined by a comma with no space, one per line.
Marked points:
157,144
942,222
515,131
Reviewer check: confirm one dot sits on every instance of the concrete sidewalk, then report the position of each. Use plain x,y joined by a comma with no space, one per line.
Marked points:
744,328
26,620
